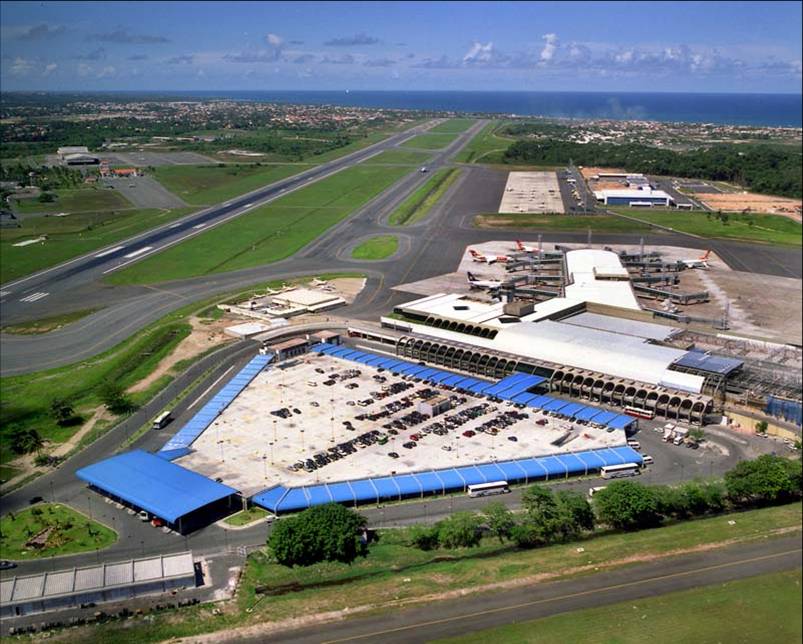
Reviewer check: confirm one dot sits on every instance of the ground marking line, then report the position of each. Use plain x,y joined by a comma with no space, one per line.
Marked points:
581,593
144,249
109,252
34,297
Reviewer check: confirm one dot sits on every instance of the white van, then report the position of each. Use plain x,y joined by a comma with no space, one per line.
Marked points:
647,460
634,444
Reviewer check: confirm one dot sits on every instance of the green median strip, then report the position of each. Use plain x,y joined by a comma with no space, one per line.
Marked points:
46,325
454,125
418,204
486,146
765,608
375,248
267,233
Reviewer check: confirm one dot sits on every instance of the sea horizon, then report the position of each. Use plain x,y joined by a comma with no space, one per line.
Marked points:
720,108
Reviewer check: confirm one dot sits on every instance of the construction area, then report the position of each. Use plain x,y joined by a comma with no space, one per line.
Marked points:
532,193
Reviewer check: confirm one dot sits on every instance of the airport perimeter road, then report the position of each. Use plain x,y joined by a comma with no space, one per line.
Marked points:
488,610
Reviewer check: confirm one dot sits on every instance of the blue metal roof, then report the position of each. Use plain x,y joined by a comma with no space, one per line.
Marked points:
704,361
151,483
539,401
572,409
587,413
207,414
282,499
556,405
621,421
604,417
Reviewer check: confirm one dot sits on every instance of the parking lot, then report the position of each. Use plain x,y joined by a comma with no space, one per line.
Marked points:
321,419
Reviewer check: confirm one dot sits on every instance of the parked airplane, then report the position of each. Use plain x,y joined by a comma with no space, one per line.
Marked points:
524,248
475,283
487,259
700,262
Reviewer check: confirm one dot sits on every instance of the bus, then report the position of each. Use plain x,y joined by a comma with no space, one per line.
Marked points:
162,420
487,489
620,471
638,412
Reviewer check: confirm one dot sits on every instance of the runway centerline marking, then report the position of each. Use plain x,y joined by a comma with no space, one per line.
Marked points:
625,584
34,297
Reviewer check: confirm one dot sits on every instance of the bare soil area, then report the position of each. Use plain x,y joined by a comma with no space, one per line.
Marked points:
751,202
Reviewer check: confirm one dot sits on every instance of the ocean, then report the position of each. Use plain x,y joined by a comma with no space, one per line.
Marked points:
774,110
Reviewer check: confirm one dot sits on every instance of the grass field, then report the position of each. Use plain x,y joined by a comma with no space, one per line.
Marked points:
418,204
428,141
45,325
375,248
76,200
70,532
771,229
246,516
269,233
402,157
486,146
765,608
72,236
376,579
454,125
200,185
599,223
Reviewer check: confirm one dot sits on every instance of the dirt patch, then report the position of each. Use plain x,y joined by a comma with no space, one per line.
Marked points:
205,333
590,172
751,202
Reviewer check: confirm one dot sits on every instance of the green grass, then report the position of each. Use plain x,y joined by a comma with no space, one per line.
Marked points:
454,125
7,472
486,146
597,223
765,608
400,157
211,184
771,229
72,532
71,236
246,516
25,399
378,247
428,141
269,233
418,204
77,200
376,579
45,325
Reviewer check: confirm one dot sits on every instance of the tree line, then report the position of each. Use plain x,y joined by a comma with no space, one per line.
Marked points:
335,533
768,169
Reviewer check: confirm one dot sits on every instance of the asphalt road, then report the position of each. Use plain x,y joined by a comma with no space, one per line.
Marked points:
480,611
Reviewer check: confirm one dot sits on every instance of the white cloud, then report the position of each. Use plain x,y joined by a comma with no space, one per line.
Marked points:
21,66
107,72
550,46
49,69
274,40
479,53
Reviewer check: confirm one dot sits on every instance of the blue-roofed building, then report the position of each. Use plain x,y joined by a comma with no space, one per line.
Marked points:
183,499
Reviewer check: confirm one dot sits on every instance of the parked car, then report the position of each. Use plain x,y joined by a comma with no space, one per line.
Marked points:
5,564
35,499
393,455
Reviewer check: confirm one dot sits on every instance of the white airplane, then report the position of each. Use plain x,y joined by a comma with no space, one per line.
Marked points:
487,259
700,262
475,283
524,248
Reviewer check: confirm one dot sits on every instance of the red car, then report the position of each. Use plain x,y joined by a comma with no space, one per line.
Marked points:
468,433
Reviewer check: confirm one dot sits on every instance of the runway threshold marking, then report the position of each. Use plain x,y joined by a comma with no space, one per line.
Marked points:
198,227
137,252
502,609
109,252
34,297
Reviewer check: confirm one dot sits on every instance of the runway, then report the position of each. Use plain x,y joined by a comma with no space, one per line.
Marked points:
431,247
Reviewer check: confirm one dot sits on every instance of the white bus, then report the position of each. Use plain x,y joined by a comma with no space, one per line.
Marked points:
619,471
639,412
162,420
487,489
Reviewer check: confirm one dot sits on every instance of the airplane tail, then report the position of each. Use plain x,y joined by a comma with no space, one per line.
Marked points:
705,255
519,245
471,277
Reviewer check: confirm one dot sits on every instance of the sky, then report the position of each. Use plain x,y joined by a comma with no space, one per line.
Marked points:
741,47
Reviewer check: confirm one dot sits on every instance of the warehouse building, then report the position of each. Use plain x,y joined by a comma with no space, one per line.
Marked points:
95,584
639,197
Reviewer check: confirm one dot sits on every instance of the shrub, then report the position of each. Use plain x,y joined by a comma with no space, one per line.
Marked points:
628,505
461,530
499,519
767,479
424,537
526,535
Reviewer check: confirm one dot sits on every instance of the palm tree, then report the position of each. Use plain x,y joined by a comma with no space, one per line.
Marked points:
26,440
